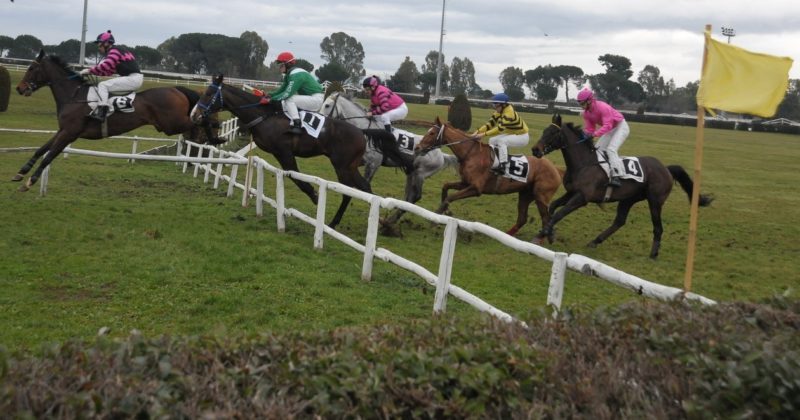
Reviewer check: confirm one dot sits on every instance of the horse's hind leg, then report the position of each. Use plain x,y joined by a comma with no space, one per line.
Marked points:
29,165
655,204
623,209
412,195
351,178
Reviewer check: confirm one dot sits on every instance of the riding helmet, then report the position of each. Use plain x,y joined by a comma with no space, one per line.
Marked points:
286,58
585,95
500,98
105,37
371,81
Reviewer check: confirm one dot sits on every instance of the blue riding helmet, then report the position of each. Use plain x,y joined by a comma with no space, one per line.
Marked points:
500,98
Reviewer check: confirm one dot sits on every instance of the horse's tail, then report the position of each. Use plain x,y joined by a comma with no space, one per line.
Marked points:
191,95
683,178
387,144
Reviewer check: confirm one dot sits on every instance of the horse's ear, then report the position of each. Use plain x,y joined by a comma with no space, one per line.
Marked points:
41,54
438,121
218,79
557,119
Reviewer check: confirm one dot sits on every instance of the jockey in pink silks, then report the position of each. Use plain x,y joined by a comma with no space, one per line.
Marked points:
384,104
116,61
612,131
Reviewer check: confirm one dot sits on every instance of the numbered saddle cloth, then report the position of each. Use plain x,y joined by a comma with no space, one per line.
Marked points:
406,140
517,168
633,169
121,103
312,122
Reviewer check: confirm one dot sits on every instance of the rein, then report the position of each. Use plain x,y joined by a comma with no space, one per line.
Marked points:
439,143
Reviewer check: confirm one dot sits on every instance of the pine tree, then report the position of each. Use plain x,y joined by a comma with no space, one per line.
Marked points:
460,114
5,88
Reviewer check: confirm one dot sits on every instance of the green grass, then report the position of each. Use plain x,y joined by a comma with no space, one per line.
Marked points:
142,246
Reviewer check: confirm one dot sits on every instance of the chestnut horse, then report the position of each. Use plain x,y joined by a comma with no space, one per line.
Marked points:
166,108
586,182
475,159
343,143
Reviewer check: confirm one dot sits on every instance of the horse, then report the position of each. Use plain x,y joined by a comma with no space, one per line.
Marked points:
166,108
475,159
586,182
341,107
343,143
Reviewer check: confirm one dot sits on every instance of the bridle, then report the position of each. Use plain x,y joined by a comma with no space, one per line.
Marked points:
439,141
217,103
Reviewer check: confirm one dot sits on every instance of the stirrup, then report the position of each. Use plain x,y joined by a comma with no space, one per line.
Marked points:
614,182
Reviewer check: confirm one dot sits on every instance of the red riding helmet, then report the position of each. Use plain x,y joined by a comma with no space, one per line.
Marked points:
286,58
105,37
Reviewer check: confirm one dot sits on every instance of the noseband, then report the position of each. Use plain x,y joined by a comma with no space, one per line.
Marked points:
209,109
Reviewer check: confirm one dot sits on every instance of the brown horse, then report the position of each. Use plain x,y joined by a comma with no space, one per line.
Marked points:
475,159
166,108
586,182
343,143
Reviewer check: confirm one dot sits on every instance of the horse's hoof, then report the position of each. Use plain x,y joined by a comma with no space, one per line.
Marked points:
537,240
592,244
23,188
391,230
17,178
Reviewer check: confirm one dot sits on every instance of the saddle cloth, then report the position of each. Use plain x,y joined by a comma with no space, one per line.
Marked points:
633,169
313,122
121,103
517,168
406,140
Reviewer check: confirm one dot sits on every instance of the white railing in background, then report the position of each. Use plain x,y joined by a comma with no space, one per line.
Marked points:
442,279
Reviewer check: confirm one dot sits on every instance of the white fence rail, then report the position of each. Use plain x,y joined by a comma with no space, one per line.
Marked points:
214,165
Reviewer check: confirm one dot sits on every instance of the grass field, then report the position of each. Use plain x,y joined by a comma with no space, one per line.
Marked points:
142,246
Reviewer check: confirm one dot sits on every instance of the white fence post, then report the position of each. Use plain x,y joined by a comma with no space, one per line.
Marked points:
188,154
556,290
232,181
259,189
372,238
133,148
43,181
319,225
207,166
445,266
280,199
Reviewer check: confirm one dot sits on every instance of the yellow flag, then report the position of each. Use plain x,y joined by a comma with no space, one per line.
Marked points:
737,80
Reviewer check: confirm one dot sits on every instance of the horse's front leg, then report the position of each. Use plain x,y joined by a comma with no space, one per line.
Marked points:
467,190
372,162
60,141
623,208
447,186
575,202
560,201
32,161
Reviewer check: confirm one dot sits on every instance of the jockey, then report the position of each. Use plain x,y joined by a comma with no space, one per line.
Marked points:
117,61
612,133
384,103
506,128
299,90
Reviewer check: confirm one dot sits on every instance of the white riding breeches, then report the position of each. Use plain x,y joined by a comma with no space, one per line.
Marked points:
309,103
503,141
121,84
610,143
393,115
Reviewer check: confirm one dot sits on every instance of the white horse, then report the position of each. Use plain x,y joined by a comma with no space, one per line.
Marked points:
339,106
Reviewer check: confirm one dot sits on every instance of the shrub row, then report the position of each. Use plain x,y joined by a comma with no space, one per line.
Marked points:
642,360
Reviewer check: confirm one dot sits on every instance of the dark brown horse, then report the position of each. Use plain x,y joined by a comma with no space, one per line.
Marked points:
166,108
586,182
475,159
343,143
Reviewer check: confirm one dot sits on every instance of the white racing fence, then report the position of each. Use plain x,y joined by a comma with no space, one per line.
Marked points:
215,164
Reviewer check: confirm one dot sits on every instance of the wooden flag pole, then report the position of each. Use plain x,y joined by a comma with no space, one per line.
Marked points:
698,166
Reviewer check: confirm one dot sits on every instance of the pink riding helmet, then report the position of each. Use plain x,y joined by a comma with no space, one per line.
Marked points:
585,95
105,37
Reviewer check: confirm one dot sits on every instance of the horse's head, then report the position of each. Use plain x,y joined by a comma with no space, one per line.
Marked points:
432,139
552,138
210,101
43,72
329,106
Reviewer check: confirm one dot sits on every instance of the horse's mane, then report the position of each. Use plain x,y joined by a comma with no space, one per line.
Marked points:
59,62
343,95
575,128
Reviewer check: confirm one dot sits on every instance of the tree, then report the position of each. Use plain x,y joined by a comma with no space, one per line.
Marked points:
69,50
568,74
346,51
512,80
257,49
427,77
613,85
333,72
790,106
304,64
25,46
459,113
651,81
6,42
405,78
205,53
543,82
462,76
147,56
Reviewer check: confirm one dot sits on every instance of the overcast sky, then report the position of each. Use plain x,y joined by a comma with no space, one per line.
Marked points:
493,34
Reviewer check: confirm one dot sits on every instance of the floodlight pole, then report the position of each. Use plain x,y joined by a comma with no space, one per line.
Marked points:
729,32
439,64
82,59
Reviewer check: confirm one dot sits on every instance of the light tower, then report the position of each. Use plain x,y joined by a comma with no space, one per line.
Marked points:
729,32
439,64
83,34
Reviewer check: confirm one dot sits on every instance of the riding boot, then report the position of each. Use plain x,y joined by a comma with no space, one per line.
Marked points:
388,127
614,181
295,127
100,113
500,169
